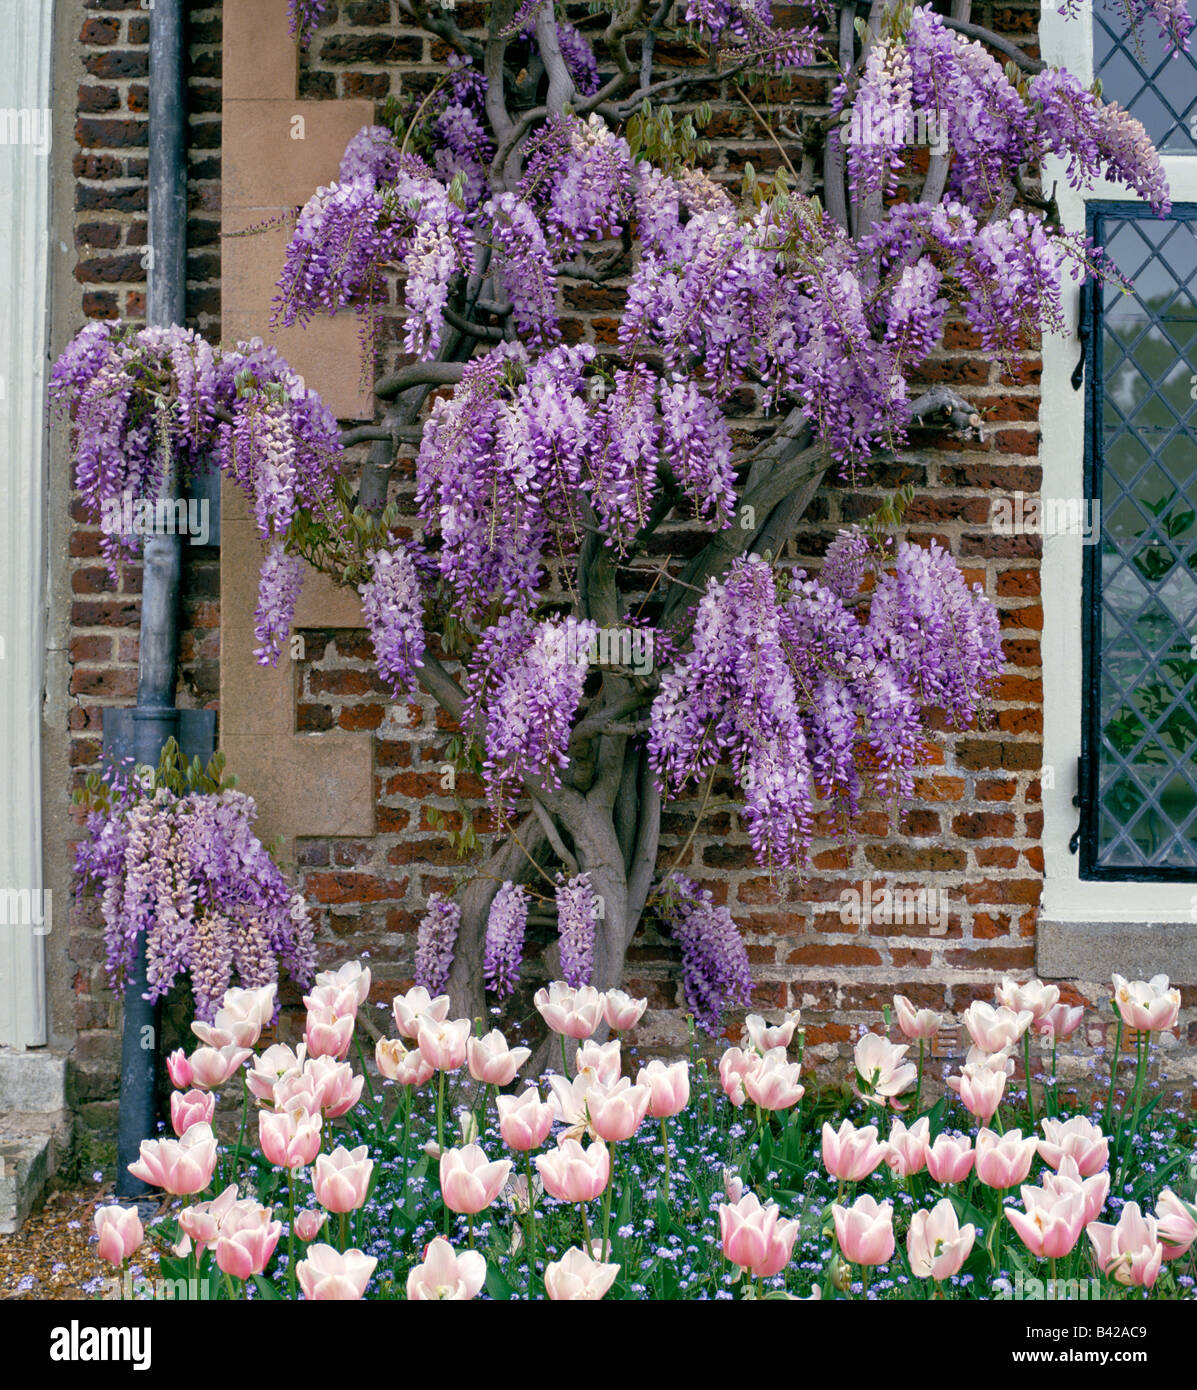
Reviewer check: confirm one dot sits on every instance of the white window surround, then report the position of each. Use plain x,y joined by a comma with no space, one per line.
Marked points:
1083,921
25,78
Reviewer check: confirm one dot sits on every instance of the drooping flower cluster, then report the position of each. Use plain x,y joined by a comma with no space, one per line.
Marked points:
304,16
386,209
793,692
579,177
188,874
715,972
279,583
394,612
577,922
523,691
504,948
140,398
436,936
746,29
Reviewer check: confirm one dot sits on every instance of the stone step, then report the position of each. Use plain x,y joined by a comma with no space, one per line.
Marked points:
26,1164
34,1124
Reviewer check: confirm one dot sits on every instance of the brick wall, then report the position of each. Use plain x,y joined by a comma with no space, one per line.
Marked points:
974,827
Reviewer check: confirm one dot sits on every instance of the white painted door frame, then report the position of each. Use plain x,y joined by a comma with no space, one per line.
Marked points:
25,137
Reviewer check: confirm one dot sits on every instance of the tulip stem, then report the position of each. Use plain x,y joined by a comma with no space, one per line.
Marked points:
1114,1073
344,1231
1140,1077
586,1229
241,1133
291,1231
918,1086
228,1281
470,1219
864,1281
607,1205
1026,1052
665,1146
531,1220
564,1058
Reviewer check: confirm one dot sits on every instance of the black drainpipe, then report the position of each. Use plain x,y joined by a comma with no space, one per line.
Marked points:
143,731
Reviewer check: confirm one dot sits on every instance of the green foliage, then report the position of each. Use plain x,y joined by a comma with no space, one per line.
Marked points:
653,134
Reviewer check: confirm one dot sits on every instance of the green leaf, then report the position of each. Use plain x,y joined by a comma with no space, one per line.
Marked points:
266,1289
497,1285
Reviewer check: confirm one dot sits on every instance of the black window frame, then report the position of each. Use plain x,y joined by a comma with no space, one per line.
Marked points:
1097,213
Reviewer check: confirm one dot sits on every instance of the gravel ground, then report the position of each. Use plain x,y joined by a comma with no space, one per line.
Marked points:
51,1256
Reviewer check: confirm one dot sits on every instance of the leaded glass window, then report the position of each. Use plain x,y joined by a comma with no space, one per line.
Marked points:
1139,763
1140,73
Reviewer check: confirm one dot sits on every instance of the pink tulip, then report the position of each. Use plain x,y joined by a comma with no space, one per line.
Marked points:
1147,1006
328,1034
212,1066
341,1179
1131,1252
296,1091
276,1062
492,1062
599,1061
202,1221
1175,1224
1034,997
1004,1161
1092,1191
446,1275
216,1038
578,1277
617,1111
325,1275
1060,1023
936,1242
950,1158
245,1012
764,1037
569,1099
334,1086
179,1166
179,1069
734,1065
916,1023
524,1121
415,1005
469,1181
865,1231
351,975
246,1240
308,1224
668,1086
407,1066
289,1138
755,1237
881,1070
981,1086
574,1013
573,1174
120,1232
995,1029
189,1108
1079,1139
906,1149
774,1084
622,1011
1052,1223
443,1045
850,1154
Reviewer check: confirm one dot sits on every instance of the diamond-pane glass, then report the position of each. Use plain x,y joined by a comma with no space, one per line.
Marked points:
1139,73
1145,432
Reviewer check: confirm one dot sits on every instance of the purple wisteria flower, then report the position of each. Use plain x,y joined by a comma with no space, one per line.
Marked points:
436,938
505,927
715,970
577,922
